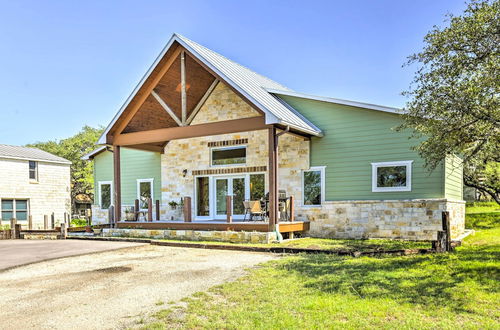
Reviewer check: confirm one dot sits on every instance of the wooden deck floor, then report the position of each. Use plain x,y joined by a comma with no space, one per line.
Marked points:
284,227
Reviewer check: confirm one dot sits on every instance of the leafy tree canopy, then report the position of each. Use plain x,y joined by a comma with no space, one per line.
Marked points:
73,148
454,97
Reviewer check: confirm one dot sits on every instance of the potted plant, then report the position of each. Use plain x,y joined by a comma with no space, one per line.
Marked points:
129,213
173,205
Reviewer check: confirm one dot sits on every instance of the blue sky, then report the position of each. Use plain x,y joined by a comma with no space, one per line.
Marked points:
64,64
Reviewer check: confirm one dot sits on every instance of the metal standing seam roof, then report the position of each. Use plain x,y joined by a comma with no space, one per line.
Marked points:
28,153
249,83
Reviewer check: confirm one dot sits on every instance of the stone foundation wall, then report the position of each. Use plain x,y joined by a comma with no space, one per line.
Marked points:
194,235
401,219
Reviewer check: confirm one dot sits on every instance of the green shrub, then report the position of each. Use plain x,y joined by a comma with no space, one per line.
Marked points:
78,222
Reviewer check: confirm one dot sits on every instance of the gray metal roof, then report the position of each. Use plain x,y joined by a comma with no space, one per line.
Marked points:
253,85
250,84
27,153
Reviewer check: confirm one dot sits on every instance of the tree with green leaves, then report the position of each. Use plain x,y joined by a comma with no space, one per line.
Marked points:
454,97
73,149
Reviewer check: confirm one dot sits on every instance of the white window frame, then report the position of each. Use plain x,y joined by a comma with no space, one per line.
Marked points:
151,182
228,148
321,169
375,166
36,171
112,201
14,210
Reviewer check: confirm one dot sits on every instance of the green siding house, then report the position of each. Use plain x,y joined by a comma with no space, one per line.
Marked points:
200,127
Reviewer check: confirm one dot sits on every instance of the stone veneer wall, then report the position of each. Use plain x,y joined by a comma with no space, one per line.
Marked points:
194,235
194,154
403,219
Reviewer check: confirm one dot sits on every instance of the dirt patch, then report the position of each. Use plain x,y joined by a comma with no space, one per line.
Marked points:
112,290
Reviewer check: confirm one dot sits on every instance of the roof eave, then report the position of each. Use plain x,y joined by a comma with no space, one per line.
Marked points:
337,101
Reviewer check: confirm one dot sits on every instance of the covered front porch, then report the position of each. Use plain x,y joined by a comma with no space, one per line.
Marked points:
224,142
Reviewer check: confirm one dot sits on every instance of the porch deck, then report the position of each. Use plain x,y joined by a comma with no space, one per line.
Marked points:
261,226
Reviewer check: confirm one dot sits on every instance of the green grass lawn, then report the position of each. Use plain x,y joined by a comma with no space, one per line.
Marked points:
482,207
455,290
329,244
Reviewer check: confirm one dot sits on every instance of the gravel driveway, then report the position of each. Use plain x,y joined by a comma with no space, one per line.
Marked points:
112,290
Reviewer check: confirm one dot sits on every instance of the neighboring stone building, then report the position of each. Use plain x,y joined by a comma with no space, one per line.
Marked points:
207,128
33,183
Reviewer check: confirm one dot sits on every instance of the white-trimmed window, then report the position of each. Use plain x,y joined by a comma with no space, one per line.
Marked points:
33,170
105,194
313,186
144,191
228,156
14,209
391,176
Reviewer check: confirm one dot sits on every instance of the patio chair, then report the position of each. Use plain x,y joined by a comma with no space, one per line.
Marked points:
255,209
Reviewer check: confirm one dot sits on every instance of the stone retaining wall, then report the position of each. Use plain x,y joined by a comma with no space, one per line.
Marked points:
399,219
194,235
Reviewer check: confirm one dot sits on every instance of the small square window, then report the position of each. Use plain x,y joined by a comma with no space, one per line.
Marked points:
229,156
33,170
391,176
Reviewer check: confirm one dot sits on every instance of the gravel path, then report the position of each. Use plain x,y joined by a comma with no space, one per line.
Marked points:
112,290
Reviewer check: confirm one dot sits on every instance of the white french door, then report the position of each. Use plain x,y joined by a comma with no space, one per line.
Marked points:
211,192
235,186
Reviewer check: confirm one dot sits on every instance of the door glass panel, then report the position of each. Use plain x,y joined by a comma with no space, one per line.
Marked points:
144,194
257,189
238,195
202,196
220,198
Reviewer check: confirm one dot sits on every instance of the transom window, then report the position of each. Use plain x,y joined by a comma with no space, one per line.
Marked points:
313,186
391,176
144,191
33,170
105,194
14,209
229,156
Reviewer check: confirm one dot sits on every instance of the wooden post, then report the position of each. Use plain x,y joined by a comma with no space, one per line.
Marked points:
229,208
52,221
273,178
30,222
117,184
136,209
157,207
64,231
111,215
45,222
150,209
443,242
291,216
187,209
13,228
17,231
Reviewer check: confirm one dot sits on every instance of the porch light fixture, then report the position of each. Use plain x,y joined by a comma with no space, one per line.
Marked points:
184,172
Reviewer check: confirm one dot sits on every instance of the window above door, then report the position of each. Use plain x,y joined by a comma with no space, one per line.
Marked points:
228,156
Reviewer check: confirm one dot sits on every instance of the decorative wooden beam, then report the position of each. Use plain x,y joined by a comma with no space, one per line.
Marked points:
183,87
146,147
175,133
166,107
117,183
202,101
143,94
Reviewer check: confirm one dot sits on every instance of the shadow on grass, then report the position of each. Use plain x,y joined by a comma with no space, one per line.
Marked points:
428,280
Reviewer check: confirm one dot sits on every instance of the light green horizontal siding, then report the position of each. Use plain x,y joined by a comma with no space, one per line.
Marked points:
353,139
135,164
454,178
